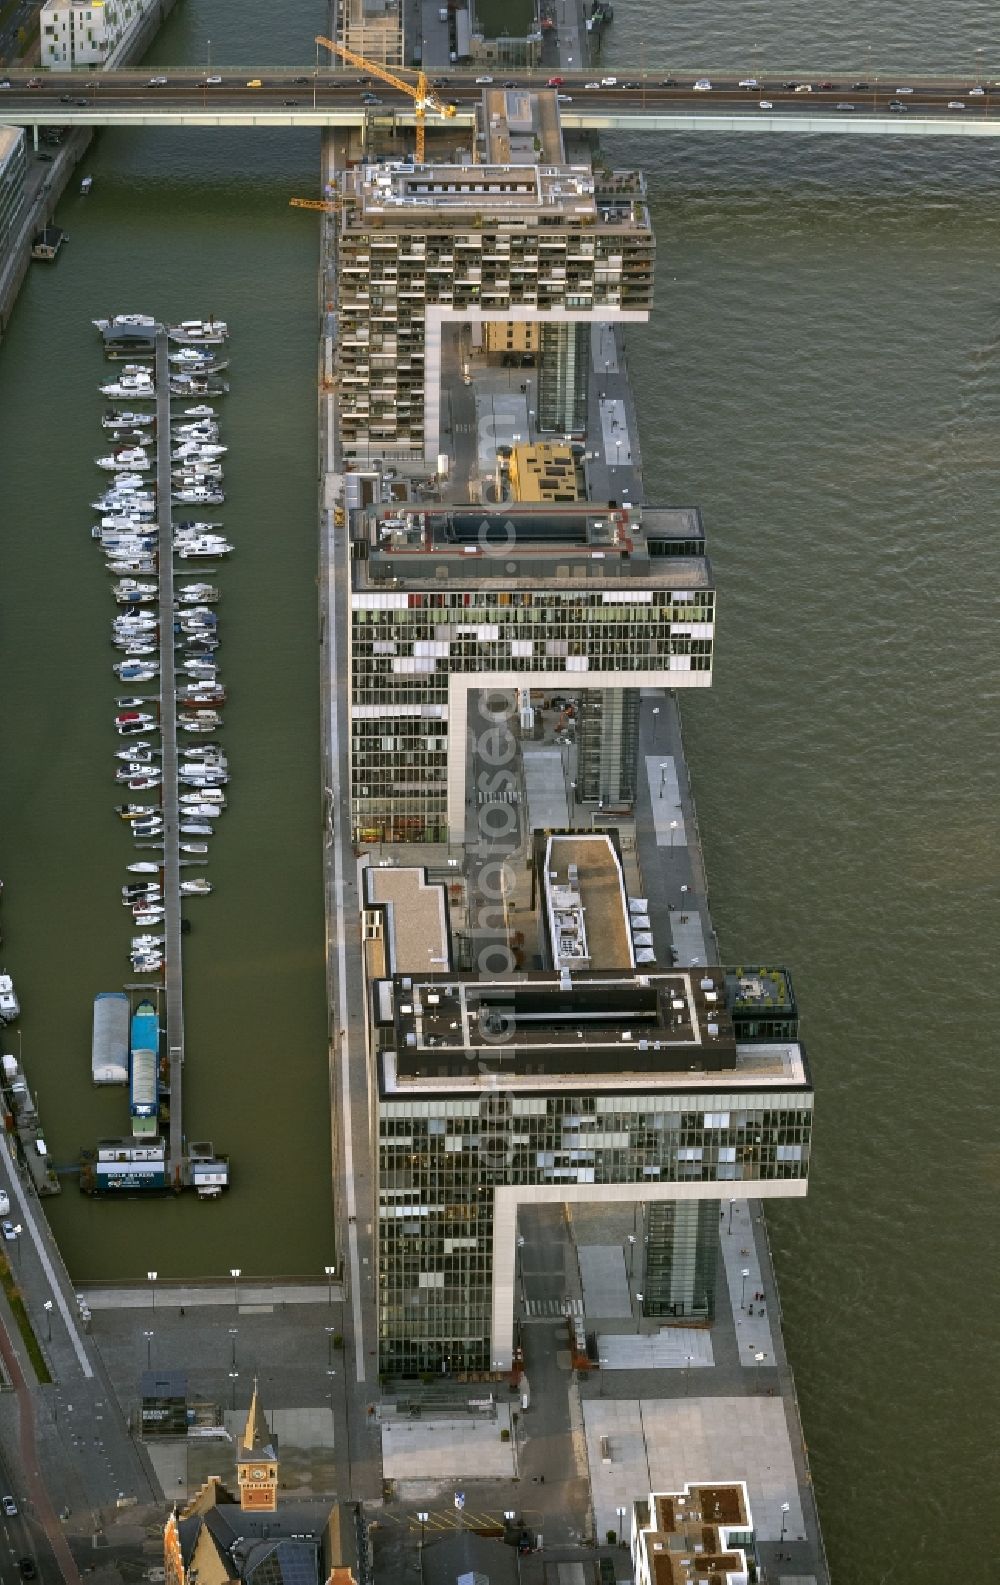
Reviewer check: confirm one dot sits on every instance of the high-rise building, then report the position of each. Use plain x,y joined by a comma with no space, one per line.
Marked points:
447,602
562,378
425,250
597,1078
607,746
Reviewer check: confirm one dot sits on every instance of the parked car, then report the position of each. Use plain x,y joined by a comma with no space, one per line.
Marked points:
9,1507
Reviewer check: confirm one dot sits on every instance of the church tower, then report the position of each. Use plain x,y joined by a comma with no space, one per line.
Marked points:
257,1462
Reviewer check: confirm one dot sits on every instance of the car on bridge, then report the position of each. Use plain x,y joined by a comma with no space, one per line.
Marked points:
213,82
896,104
9,1507
844,105
976,93
255,82
749,82
157,82
555,82
5,83
702,86
766,104
861,88
804,88
956,104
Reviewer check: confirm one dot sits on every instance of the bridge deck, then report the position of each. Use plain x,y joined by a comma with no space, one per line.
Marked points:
173,970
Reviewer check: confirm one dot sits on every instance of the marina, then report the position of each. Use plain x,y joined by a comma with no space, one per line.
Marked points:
168,635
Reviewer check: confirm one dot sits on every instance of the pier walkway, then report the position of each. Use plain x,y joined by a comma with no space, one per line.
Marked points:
173,970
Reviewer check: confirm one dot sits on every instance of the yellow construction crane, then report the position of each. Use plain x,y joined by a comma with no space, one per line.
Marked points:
423,96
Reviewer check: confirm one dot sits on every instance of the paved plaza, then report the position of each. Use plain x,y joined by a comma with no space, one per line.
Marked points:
457,1449
642,1445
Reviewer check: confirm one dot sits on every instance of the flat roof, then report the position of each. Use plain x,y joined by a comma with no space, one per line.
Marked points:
10,137
585,903
417,934
523,544
695,1535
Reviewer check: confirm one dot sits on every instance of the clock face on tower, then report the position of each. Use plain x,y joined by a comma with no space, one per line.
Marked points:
258,1474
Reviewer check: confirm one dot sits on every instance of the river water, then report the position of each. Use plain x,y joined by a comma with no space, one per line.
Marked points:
822,375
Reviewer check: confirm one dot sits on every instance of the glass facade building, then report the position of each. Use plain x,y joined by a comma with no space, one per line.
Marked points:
442,1158
574,598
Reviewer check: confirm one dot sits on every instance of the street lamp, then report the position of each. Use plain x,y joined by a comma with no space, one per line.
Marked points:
673,827
331,1272
18,1230
152,1276
236,1272
631,1254
730,1228
743,1295
234,1377
621,1520
47,1306
329,1346
784,1519
423,1516
149,1349
234,1333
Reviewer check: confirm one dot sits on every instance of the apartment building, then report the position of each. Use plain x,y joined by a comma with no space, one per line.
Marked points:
701,1535
451,601
13,174
598,1078
85,32
425,250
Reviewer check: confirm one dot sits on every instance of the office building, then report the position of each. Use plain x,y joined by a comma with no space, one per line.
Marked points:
702,1535
599,1077
85,32
449,602
425,251
13,171
607,747
563,366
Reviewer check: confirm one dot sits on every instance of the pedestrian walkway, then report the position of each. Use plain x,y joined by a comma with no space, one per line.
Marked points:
665,801
536,1309
743,1275
671,1348
249,1296
606,1294
636,1446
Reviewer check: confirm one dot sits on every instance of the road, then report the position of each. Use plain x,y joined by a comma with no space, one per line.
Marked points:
949,98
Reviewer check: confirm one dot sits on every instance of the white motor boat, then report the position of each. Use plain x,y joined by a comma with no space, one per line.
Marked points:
149,942
212,795
204,331
141,670
10,1007
197,452
195,593
194,847
200,812
130,388
198,495
148,916
195,888
196,828
143,867
205,548
125,322
199,724
134,458
124,419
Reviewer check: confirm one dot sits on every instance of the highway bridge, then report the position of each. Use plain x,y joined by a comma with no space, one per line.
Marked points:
937,106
